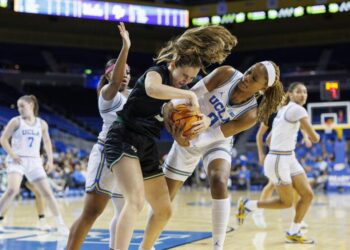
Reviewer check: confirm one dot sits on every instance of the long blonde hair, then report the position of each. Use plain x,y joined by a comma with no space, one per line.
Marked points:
31,99
272,98
198,47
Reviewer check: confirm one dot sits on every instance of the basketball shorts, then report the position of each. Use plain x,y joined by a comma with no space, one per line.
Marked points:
99,178
281,166
31,167
122,141
182,161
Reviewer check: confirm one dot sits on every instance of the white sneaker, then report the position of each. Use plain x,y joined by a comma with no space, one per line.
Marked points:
258,217
43,226
303,225
63,230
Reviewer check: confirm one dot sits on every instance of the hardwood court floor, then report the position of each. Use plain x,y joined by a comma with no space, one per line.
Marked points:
328,219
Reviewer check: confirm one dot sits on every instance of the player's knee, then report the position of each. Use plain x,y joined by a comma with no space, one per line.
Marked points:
308,196
92,212
12,192
218,180
163,212
47,194
135,201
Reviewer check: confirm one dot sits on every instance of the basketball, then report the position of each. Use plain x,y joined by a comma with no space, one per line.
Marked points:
184,116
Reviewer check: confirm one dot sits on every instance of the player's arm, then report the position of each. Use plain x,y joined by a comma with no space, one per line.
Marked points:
226,130
212,81
155,89
306,126
118,73
306,139
268,139
259,142
47,144
298,113
10,128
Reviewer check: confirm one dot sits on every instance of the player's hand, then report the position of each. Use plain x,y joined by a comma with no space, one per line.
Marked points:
200,126
306,141
177,133
49,167
125,35
168,109
194,101
16,159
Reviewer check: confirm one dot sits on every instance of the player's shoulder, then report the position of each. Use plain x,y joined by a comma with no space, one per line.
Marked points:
296,107
42,122
15,121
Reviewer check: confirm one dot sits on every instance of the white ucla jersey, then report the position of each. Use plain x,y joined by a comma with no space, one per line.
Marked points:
108,111
216,104
286,126
26,140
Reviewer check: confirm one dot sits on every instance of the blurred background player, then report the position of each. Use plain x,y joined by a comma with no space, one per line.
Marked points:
26,132
267,191
112,94
282,167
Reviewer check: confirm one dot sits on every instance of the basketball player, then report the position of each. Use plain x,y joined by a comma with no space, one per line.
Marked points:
228,97
266,193
112,94
26,132
131,150
281,166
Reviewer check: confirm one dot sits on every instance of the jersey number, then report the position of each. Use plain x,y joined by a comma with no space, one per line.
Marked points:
30,141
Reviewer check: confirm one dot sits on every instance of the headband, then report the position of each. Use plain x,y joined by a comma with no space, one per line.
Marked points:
109,69
271,72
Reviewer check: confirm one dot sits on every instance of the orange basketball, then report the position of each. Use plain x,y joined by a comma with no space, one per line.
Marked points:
183,116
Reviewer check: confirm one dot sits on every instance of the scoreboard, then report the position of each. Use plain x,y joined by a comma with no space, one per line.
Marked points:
108,11
330,90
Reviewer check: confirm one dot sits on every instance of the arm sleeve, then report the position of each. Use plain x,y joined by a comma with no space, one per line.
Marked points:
295,113
104,105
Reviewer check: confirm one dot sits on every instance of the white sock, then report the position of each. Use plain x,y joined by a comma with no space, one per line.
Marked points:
294,228
252,205
59,220
259,211
220,217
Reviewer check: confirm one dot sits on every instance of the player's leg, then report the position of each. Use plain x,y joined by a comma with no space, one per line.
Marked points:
303,188
40,207
118,204
127,172
258,215
44,188
178,166
94,204
218,174
157,195
13,185
277,169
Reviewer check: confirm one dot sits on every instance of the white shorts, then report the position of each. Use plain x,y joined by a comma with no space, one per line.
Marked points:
280,167
182,161
99,178
31,167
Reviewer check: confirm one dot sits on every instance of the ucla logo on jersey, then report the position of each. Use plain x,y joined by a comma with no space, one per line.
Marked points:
219,113
30,132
